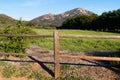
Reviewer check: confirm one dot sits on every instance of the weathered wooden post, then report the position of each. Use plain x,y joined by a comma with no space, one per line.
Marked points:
56,54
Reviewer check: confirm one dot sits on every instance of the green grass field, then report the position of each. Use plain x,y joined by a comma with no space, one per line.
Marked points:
75,45
74,32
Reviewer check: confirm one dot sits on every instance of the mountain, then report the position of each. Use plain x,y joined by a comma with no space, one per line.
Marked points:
47,20
57,19
6,20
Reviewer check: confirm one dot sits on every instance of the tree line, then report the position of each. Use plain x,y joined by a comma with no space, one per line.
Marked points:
108,21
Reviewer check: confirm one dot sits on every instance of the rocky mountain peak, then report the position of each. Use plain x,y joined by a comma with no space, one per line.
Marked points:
49,16
78,11
57,19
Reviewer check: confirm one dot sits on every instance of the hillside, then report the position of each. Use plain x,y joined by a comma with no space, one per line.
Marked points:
6,20
57,19
50,19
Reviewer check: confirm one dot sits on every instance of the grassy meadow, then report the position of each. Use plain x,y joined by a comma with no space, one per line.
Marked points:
75,45
75,32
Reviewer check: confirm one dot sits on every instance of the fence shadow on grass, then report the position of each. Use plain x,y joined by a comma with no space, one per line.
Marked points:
43,66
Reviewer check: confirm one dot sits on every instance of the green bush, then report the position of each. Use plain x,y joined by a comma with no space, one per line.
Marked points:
15,44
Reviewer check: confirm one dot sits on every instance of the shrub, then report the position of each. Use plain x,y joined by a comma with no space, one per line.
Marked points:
15,44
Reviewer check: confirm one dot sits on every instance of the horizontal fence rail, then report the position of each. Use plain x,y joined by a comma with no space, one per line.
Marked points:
21,54
16,54
24,35
91,57
61,36
96,37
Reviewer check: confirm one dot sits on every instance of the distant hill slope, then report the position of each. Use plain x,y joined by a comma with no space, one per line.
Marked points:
6,20
49,19
57,19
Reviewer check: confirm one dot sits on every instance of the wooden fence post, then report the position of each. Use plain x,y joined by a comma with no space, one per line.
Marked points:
56,55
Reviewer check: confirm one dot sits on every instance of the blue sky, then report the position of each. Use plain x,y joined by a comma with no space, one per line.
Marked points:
29,9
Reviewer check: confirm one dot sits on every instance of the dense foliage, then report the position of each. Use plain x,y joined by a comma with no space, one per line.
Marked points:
41,26
79,22
15,44
108,21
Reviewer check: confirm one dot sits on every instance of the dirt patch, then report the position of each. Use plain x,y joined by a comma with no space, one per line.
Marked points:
96,70
95,73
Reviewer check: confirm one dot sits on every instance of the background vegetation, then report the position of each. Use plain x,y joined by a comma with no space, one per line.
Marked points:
108,21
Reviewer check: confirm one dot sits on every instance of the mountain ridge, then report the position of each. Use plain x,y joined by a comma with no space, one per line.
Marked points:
49,19
57,19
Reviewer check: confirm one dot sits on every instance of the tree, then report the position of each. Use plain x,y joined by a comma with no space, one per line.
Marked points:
79,22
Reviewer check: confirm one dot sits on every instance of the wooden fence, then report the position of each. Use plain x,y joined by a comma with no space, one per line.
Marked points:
57,57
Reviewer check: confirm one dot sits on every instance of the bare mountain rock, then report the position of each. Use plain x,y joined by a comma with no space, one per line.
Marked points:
57,19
